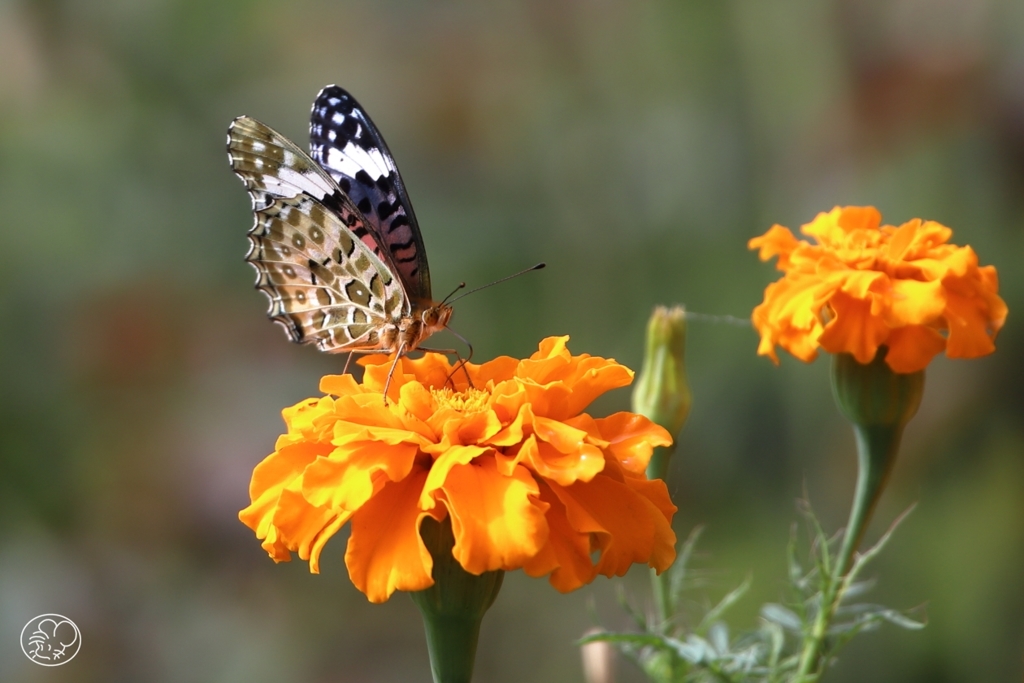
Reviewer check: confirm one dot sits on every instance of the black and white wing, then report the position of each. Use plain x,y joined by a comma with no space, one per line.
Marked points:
343,140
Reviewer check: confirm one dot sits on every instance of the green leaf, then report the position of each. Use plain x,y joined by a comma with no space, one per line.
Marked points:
782,616
715,613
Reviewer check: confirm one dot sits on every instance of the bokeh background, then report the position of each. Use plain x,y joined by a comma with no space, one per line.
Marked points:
635,147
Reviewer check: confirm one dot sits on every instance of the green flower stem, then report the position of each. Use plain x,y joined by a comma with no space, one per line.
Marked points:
877,447
662,606
454,607
879,403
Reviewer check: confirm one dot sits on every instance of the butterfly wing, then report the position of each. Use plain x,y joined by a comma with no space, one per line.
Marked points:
325,285
343,140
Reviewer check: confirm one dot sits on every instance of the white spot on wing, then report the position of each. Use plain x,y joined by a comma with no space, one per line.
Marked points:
354,158
289,180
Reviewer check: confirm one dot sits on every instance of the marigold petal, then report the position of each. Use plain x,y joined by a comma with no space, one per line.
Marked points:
859,284
594,377
307,420
340,385
385,552
418,402
431,370
915,303
497,520
969,333
566,554
621,520
911,348
547,399
277,472
353,474
564,468
551,347
852,218
479,427
564,438
853,330
508,398
492,372
326,534
560,389
283,466
301,526
655,495
512,433
778,241
632,438
365,410
452,457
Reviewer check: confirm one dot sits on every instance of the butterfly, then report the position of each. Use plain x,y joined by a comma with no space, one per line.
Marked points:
335,242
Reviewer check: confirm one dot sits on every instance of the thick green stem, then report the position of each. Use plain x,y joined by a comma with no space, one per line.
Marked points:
453,608
877,446
879,403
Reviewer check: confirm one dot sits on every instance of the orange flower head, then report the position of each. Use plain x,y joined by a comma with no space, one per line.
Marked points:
861,285
504,449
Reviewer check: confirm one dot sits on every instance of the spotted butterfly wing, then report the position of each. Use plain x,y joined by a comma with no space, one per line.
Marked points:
344,140
311,247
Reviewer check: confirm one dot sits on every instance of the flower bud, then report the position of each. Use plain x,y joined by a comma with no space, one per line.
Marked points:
662,393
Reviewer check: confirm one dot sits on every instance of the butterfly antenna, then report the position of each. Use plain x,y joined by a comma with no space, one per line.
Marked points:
539,266
461,286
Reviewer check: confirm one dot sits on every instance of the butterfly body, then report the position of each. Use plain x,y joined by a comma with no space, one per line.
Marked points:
335,242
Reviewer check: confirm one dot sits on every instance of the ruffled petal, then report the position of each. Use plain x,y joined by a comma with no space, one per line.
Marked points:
911,348
497,520
385,552
632,438
853,330
566,554
564,468
621,520
351,476
279,470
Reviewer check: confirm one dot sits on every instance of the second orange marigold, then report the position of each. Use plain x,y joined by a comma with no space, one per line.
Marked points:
861,285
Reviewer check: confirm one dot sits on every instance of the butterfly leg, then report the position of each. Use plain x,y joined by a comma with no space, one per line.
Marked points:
460,363
398,356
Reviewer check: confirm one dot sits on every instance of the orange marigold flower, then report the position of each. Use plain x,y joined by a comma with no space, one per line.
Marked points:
529,480
862,285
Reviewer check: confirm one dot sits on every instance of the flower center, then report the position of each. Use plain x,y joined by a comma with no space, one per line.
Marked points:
468,401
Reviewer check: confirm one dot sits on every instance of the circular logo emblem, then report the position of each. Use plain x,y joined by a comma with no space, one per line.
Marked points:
50,640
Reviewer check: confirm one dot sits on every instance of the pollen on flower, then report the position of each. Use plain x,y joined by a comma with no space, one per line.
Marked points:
467,401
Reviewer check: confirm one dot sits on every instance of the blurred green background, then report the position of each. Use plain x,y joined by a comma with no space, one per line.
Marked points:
635,147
